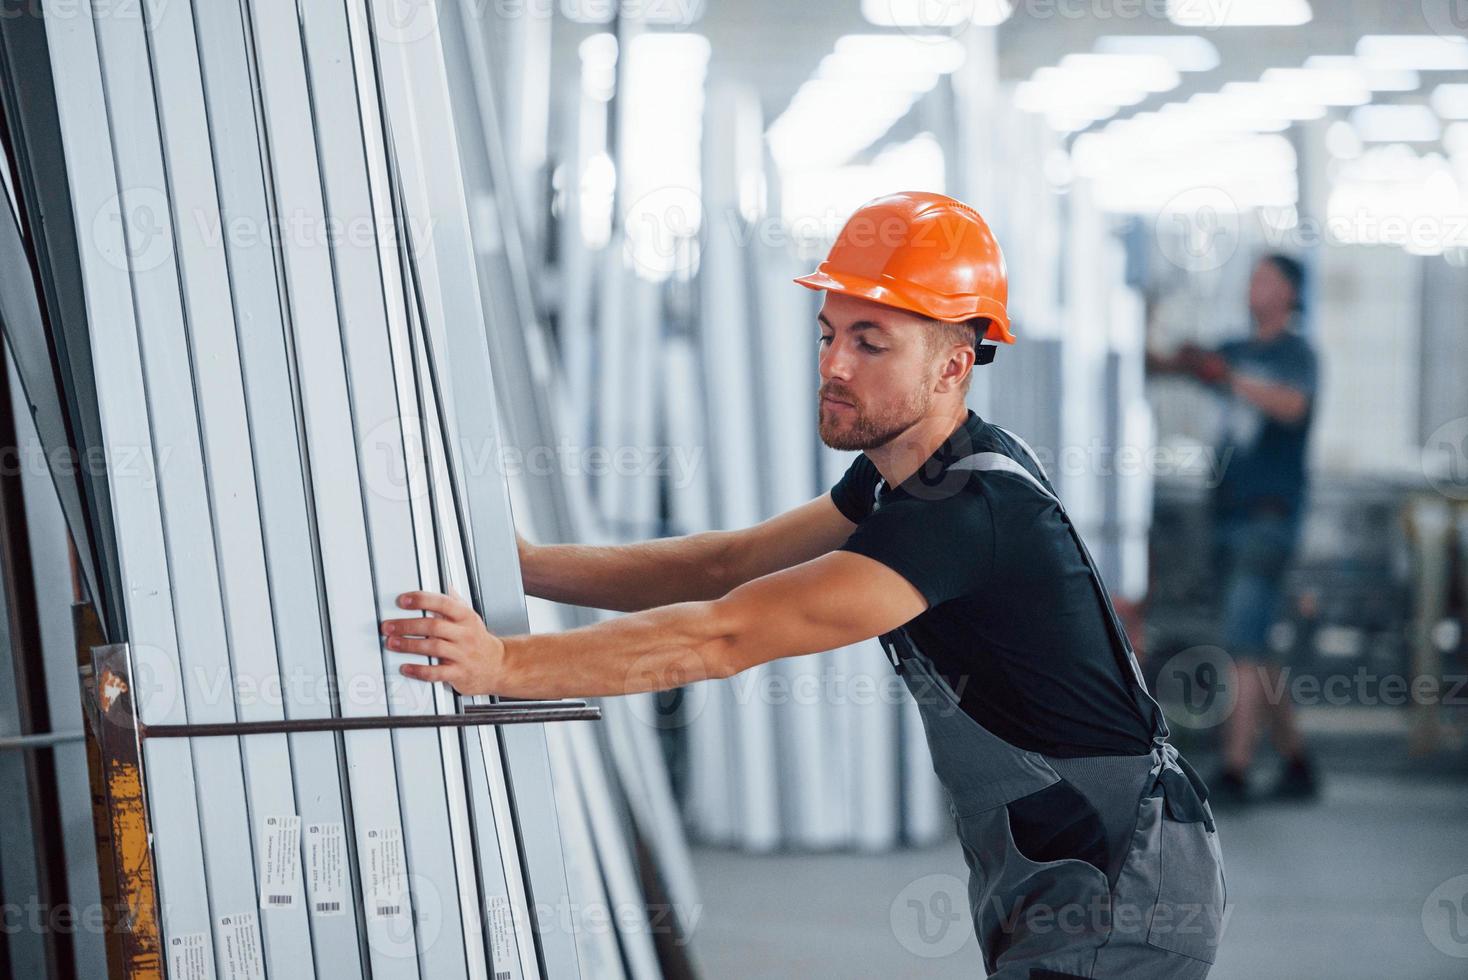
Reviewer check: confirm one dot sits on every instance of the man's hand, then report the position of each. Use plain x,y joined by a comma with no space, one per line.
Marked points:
470,657
1203,364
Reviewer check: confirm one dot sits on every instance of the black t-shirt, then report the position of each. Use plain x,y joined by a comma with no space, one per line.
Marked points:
1013,622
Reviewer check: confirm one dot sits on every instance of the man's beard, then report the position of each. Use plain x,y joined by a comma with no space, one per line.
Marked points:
868,431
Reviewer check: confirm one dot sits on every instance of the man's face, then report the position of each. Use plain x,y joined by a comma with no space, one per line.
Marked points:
877,372
1271,296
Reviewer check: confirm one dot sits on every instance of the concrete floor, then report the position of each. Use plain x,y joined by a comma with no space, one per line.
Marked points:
1358,885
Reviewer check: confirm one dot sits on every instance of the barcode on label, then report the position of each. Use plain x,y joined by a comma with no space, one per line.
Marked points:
502,975
278,899
328,906
389,909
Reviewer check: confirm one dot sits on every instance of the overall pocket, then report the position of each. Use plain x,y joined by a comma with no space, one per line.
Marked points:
1188,918
1036,887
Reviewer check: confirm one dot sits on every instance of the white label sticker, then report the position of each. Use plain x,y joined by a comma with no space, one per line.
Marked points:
387,883
280,861
239,947
326,868
500,938
188,957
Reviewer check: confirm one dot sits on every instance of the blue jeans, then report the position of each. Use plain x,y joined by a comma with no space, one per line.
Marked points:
1251,554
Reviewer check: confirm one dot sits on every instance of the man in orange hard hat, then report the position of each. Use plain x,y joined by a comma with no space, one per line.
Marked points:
1091,848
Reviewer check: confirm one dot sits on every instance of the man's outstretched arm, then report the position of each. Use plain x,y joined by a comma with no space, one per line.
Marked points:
693,567
821,604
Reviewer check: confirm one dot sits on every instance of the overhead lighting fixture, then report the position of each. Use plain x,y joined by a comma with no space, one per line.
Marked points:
933,14
1323,85
1341,140
903,52
1450,101
1396,124
1376,79
598,55
838,68
1149,72
1239,13
1455,140
1271,101
1423,52
1185,52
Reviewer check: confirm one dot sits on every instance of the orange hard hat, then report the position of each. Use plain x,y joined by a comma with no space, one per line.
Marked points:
921,252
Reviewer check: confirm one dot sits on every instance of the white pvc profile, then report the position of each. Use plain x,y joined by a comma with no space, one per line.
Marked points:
416,101
103,252
525,381
279,485
600,955
615,851
337,492
430,776
228,484
726,325
168,268
507,916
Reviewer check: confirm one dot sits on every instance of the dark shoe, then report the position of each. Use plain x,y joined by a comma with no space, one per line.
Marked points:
1297,782
1228,790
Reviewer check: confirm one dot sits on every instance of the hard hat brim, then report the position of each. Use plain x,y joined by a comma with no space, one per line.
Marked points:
946,308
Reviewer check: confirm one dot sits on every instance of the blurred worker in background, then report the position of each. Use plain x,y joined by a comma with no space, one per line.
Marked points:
1268,383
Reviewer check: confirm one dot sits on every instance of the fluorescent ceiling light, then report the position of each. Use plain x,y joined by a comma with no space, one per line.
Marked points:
903,52
1450,101
1271,101
1247,112
1150,72
1395,123
1426,52
1324,85
1342,141
1055,91
932,14
1376,79
599,66
1238,13
684,13
837,68
1185,52
1455,139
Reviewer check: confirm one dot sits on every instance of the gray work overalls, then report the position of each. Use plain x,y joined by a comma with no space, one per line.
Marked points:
1101,866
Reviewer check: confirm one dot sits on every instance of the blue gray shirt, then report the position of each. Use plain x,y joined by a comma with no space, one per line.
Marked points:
1264,458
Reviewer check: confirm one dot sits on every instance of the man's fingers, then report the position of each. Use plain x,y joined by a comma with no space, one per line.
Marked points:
422,626
436,602
432,673
440,649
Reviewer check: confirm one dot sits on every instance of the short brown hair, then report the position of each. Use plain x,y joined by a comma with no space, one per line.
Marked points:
944,334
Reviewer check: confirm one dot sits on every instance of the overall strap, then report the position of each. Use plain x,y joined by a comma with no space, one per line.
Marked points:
1122,647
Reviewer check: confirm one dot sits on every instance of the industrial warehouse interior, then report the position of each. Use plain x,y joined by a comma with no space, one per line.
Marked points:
634,489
